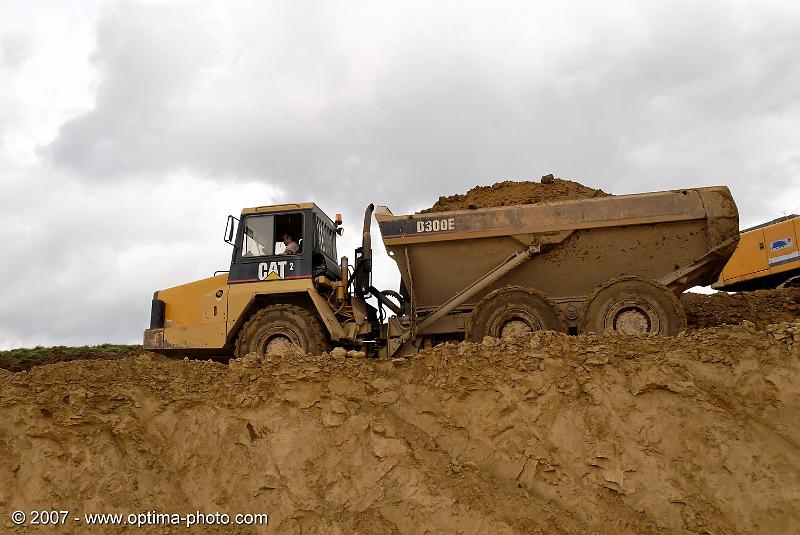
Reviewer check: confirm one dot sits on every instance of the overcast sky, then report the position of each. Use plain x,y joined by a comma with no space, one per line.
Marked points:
129,130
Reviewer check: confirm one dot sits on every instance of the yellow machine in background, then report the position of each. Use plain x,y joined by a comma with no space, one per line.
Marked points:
767,257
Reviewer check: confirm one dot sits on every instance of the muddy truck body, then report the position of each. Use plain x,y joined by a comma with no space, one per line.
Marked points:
614,263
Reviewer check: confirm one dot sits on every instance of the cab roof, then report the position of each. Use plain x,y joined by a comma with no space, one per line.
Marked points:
281,208
276,208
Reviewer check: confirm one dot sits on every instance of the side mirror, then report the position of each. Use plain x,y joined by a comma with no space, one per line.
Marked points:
230,229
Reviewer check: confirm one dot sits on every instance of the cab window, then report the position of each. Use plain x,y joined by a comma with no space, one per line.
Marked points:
268,235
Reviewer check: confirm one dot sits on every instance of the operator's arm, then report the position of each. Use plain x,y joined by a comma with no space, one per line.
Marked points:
292,249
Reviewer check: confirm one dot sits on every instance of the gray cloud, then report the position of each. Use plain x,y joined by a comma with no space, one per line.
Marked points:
149,58
347,104
684,98
13,50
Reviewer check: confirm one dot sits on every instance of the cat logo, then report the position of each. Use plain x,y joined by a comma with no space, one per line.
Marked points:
271,271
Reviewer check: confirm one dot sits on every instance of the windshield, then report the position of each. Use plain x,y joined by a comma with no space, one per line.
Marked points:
259,235
268,235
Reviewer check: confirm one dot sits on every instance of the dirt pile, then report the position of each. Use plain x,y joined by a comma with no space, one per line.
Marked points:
761,307
510,193
546,434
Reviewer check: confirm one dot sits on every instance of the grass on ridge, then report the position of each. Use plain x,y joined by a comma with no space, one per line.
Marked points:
39,353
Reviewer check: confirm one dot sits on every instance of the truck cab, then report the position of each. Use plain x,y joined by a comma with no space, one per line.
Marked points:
282,279
260,254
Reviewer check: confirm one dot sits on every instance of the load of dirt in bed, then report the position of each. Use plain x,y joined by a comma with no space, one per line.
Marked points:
509,193
761,307
548,433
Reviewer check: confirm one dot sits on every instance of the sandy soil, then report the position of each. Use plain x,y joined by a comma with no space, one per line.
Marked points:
761,307
698,433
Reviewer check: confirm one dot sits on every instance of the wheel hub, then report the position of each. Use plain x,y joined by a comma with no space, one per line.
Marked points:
632,316
279,344
514,328
277,341
514,323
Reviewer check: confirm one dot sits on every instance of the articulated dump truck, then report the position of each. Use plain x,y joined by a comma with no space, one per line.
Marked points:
614,263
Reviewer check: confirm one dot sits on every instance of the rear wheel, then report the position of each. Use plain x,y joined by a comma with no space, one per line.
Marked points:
791,282
278,327
512,311
633,305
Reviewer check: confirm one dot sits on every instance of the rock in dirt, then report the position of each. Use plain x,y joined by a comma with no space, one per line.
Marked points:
338,352
542,434
509,193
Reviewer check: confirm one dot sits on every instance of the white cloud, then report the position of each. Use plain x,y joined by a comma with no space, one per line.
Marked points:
87,257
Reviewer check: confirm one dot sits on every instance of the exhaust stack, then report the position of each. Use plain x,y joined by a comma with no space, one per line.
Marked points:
363,269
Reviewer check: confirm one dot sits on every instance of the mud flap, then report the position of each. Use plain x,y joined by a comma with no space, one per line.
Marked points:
153,339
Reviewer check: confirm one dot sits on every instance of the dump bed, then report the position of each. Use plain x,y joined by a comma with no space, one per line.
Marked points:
679,238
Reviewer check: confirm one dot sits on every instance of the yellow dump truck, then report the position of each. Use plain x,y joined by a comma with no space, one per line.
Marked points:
767,257
613,263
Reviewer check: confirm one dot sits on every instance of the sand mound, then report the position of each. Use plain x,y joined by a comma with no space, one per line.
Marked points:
510,193
547,434
761,307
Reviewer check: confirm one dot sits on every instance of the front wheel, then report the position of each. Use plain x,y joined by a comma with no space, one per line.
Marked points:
633,305
513,310
276,328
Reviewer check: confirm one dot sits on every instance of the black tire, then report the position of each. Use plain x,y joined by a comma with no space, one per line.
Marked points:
632,305
282,323
512,310
791,282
